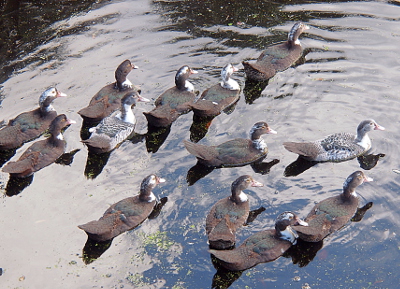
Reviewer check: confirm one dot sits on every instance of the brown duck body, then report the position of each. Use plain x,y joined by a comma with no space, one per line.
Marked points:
236,152
169,106
264,246
25,127
124,215
277,57
108,99
31,124
332,213
41,153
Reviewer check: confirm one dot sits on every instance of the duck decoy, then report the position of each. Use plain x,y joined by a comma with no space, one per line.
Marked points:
108,99
218,97
336,147
31,124
229,214
333,213
236,152
113,130
126,214
277,57
175,101
262,247
41,153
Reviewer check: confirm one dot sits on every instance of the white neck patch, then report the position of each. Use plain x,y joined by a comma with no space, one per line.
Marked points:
243,197
365,142
289,235
189,86
60,136
127,84
260,144
230,84
152,197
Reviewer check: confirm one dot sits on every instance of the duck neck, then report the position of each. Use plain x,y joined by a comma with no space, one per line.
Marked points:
123,84
56,138
348,193
146,194
183,84
257,140
363,139
293,37
230,83
238,196
126,114
287,234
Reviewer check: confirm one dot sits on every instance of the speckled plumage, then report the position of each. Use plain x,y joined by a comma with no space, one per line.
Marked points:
229,214
124,215
277,57
31,124
41,153
264,246
175,101
108,99
113,130
236,152
331,214
336,147
218,97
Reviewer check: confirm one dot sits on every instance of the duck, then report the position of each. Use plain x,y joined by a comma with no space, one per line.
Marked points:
261,247
336,147
229,214
277,57
220,96
113,130
175,101
236,152
333,213
41,153
31,124
126,214
108,99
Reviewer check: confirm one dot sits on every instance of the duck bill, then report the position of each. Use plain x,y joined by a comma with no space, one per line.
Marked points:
70,121
135,66
271,131
257,184
143,99
192,71
60,94
235,68
160,180
379,127
300,222
368,179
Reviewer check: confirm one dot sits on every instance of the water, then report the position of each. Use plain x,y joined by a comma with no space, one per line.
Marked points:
350,73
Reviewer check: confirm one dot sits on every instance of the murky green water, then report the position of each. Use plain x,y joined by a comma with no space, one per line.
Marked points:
350,73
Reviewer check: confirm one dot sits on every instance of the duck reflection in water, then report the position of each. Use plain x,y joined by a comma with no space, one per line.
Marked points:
155,137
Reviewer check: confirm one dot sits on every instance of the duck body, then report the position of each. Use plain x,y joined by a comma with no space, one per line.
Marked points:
108,99
175,101
124,215
262,247
41,153
31,124
277,57
229,214
336,147
332,213
236,152
113,130
219,97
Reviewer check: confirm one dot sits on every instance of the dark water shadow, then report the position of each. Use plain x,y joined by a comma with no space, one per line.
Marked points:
16,185
95,164
369,161
199,171
303,252
223,278
94,249
298,166
199,127
6,155
253,89
253,214
86,125
155,137
359,215
66,159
